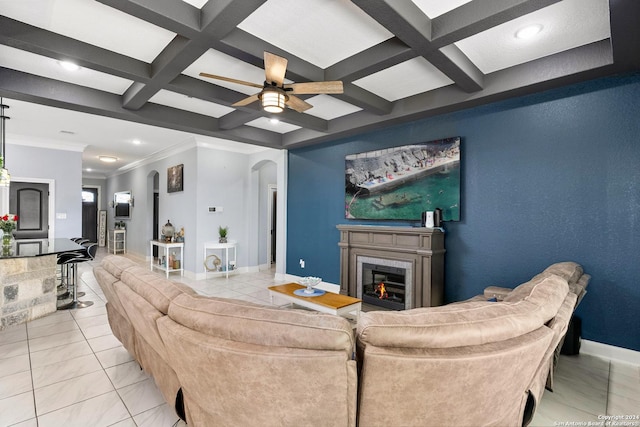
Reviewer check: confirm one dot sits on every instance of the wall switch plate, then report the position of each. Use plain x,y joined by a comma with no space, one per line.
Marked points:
215,209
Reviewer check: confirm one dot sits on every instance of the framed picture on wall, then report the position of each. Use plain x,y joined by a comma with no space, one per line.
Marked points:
174,179
399,183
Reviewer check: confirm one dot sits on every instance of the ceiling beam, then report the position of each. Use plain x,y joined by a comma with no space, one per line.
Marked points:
53,93
625,33
413,27
55,46
477,16
379,57
563,68
176,16
218,18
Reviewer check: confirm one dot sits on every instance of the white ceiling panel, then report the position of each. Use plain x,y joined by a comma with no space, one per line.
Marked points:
46,67
196,3
94,23
195,105
328,108
273,126
218,63
321,32
435,8
565,25
405,79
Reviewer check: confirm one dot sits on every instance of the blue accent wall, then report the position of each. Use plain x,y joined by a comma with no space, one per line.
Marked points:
545,178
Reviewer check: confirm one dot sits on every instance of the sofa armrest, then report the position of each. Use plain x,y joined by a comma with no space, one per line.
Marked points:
496,292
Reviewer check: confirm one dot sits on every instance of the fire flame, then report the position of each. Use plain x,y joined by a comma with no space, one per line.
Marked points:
382,291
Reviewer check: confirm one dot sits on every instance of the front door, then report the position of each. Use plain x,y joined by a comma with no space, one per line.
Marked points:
30,201
90,214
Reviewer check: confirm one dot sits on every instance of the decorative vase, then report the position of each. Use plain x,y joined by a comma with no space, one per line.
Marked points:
223,240
7,239
168,231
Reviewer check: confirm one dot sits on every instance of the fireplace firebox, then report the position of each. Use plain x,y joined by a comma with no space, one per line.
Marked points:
384,286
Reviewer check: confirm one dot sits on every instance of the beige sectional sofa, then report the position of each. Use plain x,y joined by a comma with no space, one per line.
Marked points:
236,363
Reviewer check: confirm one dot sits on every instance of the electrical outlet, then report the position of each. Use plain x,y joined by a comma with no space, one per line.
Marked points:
212,208
301,263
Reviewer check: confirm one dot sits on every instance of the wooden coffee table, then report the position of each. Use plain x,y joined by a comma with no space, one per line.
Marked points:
340,305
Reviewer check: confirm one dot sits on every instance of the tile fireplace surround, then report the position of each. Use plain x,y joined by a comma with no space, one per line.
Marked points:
422,248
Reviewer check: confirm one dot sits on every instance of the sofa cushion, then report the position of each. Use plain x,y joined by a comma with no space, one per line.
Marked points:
115,265
157,290
467,323
256,324
568,270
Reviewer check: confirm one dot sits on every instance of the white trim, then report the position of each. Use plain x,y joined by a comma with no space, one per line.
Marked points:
50,144
607,351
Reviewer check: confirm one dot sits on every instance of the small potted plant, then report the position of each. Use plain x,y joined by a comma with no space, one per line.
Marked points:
222,232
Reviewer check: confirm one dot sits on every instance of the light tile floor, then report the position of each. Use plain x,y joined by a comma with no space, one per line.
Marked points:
67,369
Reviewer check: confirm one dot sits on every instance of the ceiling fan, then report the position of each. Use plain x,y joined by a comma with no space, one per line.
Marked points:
275,94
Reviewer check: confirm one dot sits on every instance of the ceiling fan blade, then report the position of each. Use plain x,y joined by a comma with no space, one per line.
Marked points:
298,104
229,79
246,101
275,68
315,87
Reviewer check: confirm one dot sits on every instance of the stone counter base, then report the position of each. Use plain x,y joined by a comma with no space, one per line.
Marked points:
27,289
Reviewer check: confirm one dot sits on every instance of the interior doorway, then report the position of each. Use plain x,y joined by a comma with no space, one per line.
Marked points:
90,214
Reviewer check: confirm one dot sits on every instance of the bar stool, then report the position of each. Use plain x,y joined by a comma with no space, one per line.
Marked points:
71,260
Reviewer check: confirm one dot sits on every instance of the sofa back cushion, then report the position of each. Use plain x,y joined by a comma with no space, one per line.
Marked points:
145,296
244,364
116,264
263,325
155,289
467,323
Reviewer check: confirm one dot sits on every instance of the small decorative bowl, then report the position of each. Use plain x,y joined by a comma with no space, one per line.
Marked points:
310,282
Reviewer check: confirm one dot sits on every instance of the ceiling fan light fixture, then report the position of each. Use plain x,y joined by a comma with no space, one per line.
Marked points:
273,100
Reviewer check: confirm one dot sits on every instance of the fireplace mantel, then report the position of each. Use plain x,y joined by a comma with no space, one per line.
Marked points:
422,247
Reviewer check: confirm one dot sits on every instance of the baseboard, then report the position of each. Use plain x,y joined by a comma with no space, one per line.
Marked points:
607,351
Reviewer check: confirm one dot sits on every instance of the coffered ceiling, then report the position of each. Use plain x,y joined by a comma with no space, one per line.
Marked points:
399,60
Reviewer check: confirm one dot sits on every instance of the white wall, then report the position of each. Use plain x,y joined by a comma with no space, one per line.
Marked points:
212,177
62,166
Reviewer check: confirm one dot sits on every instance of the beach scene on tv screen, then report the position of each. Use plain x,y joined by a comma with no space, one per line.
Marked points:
400,183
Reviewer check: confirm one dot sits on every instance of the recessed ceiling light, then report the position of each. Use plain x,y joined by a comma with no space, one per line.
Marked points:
69,66
107,159
88,169
274,121
137,142
528,31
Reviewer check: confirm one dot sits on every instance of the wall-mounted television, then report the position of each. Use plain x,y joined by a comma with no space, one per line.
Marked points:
122,204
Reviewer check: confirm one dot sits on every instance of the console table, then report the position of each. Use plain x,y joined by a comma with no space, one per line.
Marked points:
226,261
169,248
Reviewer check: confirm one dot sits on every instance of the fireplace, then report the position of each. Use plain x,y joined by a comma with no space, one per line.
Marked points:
384,286
384,282
386,252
